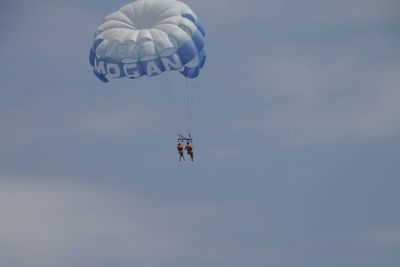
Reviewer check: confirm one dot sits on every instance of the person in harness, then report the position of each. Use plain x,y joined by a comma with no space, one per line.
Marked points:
189,150
180,151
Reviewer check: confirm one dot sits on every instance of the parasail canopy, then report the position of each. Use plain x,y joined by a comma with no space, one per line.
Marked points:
146,38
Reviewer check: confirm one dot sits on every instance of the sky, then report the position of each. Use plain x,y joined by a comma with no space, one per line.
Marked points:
296,137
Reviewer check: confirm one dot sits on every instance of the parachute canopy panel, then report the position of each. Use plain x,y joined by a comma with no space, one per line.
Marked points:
148,37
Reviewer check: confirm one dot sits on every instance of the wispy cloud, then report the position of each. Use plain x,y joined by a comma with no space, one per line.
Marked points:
319,86
386,237
47,224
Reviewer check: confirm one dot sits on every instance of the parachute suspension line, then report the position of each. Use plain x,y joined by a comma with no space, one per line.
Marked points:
193,89
179,109
186,107
170,106
178,104
187,104
181,115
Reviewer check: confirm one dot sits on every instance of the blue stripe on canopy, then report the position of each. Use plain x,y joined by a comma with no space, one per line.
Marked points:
105,67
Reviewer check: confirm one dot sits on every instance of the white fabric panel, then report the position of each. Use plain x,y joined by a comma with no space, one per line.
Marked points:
153,27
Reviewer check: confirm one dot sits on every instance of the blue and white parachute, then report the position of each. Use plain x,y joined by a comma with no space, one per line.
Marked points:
148,37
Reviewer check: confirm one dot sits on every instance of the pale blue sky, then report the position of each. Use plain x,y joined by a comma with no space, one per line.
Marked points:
297,141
